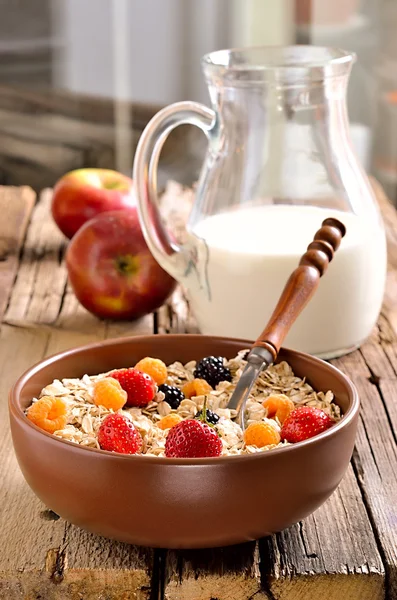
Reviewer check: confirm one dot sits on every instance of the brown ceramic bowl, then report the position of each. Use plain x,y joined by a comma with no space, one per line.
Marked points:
180,503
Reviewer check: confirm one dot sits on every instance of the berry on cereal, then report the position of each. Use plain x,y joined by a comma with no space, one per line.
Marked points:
140,387
305,422
153,367
118,434
261,434
123,410
109,393
211,417
192,439
197,387
279,406
213,370
169,421
173,395
48,413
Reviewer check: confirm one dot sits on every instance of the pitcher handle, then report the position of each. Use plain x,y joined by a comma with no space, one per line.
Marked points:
172,257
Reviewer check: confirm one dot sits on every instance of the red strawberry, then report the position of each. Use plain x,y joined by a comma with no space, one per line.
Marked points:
192,439
118,434
304,422
140,387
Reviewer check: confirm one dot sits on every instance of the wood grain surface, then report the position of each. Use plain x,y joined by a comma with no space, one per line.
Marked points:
16,205
346,550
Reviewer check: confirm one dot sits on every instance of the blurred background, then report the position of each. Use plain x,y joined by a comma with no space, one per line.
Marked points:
79,79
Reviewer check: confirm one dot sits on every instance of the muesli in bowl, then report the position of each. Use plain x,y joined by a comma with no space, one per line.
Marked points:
180,410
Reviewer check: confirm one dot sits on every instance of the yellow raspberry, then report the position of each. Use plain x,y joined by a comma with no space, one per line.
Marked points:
197,387
278,405
109,393
49,413
153,367
169,421
261,434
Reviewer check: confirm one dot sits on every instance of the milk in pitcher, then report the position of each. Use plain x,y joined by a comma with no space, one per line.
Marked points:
252,252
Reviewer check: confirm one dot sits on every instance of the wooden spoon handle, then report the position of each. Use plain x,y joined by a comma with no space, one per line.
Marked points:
301,285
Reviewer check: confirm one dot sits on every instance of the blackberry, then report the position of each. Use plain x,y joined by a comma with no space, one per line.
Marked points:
212,369
211,417
173,395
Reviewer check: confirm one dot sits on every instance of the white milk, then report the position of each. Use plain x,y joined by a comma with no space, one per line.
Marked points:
252,252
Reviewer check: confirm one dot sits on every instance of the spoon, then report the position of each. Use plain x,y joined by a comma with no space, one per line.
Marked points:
297,292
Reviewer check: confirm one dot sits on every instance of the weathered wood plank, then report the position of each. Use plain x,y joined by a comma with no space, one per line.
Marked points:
16,205
332,554
329,587
375,460
374,371
49,558
32,299
225,574
379,476
95,564
28,537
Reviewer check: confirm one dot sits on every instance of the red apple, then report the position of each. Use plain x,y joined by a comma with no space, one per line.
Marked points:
111,269
82,194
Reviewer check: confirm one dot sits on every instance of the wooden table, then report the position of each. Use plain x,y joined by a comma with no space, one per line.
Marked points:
346,550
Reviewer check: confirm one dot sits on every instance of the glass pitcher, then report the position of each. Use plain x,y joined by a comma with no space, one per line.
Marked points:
279,161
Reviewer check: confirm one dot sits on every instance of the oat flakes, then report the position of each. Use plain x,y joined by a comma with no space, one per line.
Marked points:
85,417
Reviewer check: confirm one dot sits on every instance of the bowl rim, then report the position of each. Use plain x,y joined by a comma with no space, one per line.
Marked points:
18,413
